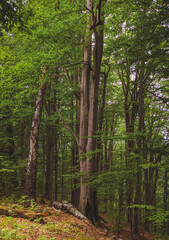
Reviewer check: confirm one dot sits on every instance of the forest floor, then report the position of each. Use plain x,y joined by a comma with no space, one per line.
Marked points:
44,222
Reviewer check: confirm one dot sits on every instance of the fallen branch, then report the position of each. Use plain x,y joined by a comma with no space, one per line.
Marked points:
70,208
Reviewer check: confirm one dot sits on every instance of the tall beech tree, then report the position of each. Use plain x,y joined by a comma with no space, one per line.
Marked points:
89,107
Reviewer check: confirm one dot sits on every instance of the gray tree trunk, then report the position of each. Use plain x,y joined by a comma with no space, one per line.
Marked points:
88,197
30,185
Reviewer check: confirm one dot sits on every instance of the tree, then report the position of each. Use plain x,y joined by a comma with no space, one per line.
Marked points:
89,108
103,138
30,185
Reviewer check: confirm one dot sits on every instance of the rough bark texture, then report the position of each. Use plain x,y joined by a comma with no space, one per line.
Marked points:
30,185
84,108
88,114
67,206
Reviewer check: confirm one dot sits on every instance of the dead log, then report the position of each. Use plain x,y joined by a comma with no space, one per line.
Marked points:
67,206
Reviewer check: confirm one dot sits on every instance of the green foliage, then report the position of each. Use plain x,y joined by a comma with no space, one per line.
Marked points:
159,218
38,33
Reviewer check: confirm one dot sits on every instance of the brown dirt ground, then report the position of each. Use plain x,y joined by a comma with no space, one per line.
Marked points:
47,223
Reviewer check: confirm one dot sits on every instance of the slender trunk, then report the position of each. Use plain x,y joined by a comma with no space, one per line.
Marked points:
56,168
63,172
137,201
129,145
147,197
75,164
129,163
165,189
120,204
11,154
30,185
165,198
106,164
50,151
110,153
23,154
84,108
101,113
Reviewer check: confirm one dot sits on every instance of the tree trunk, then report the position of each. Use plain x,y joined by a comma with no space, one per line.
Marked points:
84,108
75,163
105,164
137,211
56,168
11,153
165,199
129,148
30,185
50,151
165,189
88,197
101,113
63,171
24,138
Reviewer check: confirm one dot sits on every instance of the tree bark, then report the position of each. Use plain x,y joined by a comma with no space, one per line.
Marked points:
75,163
30,185
101,113
88,126
137,211
50,152
84,108
56,168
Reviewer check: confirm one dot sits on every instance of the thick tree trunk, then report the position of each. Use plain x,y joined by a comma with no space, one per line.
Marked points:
92,164
88,116
30,185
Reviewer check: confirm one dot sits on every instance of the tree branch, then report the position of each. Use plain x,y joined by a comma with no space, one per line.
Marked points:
66,125
69,79
158,97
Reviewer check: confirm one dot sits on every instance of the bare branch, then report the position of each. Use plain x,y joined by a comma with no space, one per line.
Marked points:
66,125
